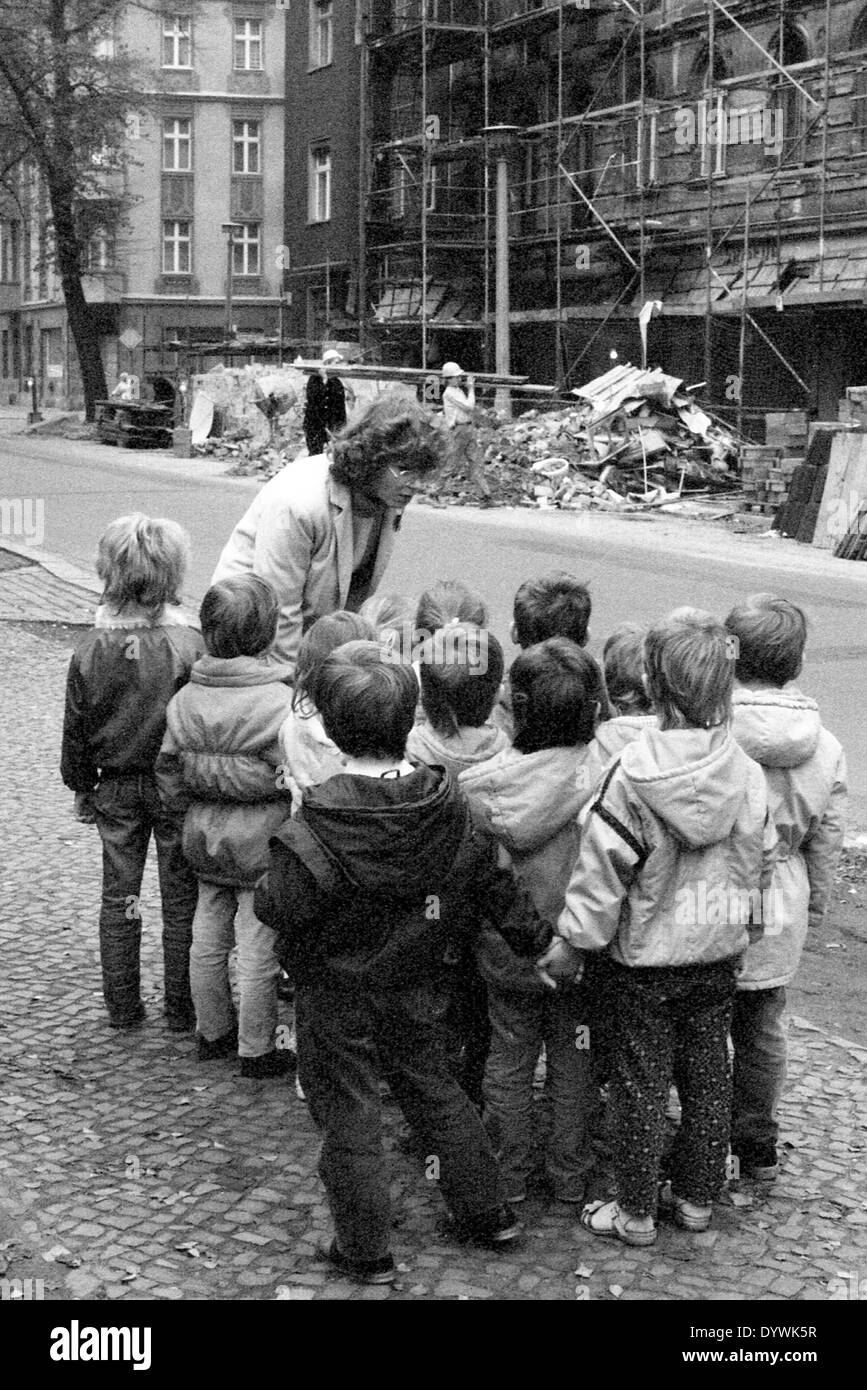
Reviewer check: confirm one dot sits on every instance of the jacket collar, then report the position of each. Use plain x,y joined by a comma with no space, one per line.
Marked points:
133,616
340,503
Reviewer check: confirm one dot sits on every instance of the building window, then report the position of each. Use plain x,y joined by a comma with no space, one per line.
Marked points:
245,249
319,184
246,147
176,248
100,250
177,41
177,144
6,360
321,33
248,44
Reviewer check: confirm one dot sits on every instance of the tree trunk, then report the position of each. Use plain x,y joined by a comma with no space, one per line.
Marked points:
78,311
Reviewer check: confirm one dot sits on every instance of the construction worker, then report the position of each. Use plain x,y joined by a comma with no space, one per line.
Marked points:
459,417
325,406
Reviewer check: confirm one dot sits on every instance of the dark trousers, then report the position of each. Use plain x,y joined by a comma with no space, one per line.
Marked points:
128,812
346,1039
759,1038
671,1023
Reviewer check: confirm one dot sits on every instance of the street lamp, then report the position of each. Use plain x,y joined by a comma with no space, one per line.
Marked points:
229,230
500,139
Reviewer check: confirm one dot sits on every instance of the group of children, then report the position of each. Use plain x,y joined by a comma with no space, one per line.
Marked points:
612,866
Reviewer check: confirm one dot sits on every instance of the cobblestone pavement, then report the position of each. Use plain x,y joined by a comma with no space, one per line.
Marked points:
128,1170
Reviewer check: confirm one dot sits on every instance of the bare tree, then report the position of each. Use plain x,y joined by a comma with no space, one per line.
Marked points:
65,92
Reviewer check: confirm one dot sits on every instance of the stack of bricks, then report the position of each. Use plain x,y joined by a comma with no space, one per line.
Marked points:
766,469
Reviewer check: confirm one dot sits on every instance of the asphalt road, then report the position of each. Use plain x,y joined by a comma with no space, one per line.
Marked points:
636,570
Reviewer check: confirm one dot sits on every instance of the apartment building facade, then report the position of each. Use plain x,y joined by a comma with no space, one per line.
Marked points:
324,65
708,159
203,152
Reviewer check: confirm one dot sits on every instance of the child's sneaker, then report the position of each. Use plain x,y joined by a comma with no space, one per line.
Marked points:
689,1215
495,1229
380,1271
224,1046
761,1163
270,1064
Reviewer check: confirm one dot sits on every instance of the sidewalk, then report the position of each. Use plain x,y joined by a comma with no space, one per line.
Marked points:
131,1171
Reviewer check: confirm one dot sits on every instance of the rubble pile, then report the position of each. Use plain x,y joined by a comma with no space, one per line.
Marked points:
632,439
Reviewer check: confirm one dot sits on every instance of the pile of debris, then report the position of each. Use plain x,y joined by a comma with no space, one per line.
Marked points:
633,439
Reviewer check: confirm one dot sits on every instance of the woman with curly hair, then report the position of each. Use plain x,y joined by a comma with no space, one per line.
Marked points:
322,530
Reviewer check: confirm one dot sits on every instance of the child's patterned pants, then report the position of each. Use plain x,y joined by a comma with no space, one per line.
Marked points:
671,1023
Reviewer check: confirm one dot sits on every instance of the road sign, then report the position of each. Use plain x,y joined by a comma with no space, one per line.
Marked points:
130,339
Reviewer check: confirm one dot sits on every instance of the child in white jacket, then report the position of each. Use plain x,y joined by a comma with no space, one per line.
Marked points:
676,844
309,756
805,770
631,710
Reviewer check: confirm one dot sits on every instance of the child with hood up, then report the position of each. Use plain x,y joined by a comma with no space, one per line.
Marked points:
805,771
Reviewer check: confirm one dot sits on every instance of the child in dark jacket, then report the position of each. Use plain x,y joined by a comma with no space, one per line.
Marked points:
370,886
219,762
121,678
528,799
805,771
676,844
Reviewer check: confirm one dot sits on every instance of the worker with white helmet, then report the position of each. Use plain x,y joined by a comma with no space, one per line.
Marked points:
459,417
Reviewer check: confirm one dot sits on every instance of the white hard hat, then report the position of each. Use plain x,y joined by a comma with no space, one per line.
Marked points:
451,369
332,355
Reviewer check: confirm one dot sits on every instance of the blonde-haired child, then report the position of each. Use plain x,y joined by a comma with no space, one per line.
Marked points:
120,681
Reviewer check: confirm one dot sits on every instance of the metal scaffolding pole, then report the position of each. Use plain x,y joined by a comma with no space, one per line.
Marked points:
558,245
425,177
826,86
709,155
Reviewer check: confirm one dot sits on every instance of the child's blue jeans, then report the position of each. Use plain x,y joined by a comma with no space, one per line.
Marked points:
225,918
128,811
521,1024
346,1039
759,1038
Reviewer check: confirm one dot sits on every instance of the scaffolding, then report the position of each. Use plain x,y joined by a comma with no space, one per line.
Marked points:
716,194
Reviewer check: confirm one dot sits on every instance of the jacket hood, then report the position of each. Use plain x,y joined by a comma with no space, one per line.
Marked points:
612,735
237,671
778,728
531,796
463,749
692,779
392,835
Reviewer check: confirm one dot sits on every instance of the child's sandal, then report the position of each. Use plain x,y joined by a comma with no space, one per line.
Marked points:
606,1219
